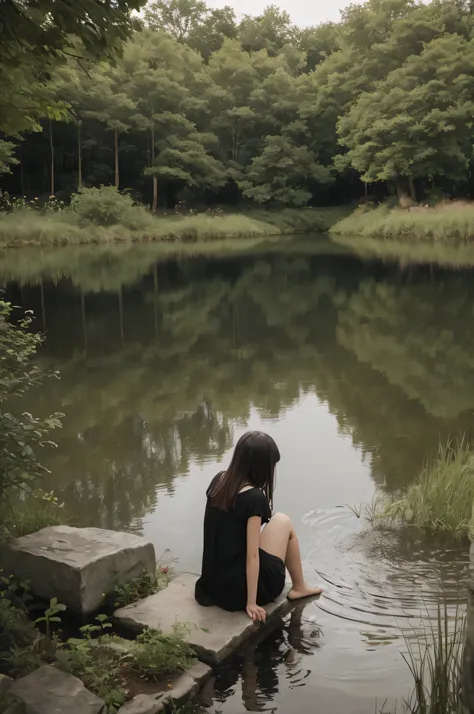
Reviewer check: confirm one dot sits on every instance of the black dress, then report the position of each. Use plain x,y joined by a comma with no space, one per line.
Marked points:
223,581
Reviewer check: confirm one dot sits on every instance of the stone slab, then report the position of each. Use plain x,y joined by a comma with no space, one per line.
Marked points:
184,687
200,673
142,704
79,566
50,691
214,633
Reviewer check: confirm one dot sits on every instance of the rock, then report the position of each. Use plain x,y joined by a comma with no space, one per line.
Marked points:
142,704
50,691
214,633
5,684
79,566
200,673
184,687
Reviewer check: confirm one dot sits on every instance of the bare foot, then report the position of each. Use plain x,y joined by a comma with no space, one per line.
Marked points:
305,591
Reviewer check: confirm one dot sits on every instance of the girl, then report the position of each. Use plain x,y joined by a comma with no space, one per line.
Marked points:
243,568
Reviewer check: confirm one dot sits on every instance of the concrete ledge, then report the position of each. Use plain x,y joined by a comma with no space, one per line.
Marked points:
212,632
79,566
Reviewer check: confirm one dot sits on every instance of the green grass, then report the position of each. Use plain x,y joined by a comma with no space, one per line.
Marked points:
442,498
435,662
452,223
29,227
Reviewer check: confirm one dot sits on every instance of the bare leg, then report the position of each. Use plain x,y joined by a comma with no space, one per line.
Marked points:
279,538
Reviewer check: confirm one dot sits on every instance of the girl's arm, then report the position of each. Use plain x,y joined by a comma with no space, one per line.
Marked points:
255,612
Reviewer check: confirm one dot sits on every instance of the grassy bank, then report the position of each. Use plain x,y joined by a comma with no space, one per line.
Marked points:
106,216
451,223
442,498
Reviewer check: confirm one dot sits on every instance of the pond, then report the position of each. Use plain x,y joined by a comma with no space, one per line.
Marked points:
356,364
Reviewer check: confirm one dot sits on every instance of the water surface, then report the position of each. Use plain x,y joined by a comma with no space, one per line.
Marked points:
356,365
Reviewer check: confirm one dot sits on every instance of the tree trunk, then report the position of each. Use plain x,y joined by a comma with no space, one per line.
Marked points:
411,186
22,176
399,188
51,145
154,204
79,156
116,150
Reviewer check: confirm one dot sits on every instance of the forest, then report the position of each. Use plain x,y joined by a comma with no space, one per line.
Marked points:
184,104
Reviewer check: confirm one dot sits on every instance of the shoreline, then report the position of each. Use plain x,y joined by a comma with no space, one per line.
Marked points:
32,228
449,223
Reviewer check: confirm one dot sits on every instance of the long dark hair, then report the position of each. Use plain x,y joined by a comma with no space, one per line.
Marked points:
253,463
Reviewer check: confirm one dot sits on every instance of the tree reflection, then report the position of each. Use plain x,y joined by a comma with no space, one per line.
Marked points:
159,368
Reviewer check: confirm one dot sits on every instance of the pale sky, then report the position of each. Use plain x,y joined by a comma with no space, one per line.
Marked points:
302,12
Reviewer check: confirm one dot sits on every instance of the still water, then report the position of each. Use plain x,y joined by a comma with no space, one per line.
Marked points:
356,365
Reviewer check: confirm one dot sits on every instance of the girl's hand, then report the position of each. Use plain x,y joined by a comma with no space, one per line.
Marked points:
256,613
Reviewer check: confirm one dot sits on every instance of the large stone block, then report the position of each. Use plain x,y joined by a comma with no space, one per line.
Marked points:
50,691
79,566
213,633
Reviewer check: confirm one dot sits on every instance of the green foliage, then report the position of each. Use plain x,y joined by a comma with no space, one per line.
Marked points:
18,636
198,105
141,587
51,615
158,656
442,498
21,434
96,665
281,173
416,122
7,158
105,206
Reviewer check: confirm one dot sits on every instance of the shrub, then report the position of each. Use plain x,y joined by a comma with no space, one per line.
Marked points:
105,206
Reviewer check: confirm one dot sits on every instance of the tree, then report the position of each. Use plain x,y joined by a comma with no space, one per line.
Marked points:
281,173
417,123
269,31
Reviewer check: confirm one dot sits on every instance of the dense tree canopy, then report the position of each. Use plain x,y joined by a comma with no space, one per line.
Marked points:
203,107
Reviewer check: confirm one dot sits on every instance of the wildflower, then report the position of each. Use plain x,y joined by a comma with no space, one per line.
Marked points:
52,195
165,571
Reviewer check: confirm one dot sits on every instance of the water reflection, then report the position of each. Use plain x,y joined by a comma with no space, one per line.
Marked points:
356,366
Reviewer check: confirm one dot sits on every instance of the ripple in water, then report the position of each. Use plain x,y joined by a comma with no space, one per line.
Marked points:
381,589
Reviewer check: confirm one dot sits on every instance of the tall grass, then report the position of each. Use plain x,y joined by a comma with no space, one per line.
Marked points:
119,220
442,498
435,663
449,222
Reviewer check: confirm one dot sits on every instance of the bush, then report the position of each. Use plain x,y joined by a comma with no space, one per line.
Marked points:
105,206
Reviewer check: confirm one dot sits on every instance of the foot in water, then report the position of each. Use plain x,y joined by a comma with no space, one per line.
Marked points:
305,591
